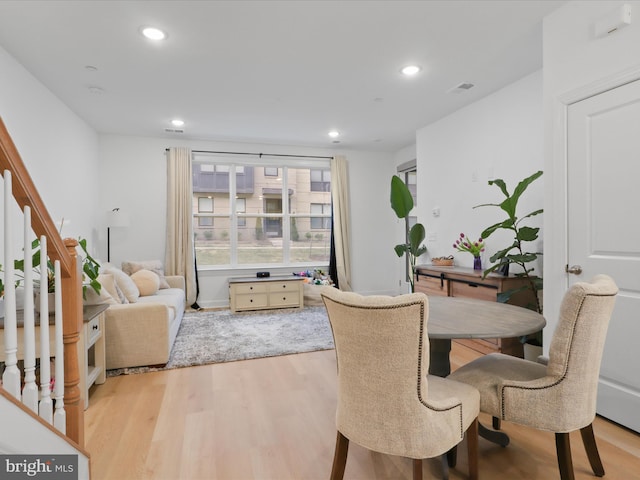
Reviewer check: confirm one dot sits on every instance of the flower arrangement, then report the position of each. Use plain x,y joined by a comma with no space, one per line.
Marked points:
463,244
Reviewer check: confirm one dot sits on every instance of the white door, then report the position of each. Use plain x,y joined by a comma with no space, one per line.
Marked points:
604,231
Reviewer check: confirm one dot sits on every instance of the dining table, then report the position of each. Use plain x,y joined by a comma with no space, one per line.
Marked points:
460,317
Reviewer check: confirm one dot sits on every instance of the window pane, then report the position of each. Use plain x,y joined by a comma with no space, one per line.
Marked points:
212,244
308,244
271,171
412,183
257,244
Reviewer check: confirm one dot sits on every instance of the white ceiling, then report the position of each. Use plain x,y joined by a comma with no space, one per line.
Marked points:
282,72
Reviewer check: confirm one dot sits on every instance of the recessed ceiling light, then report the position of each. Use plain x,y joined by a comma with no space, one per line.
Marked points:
410,70
334,133
177,122
96,90
153,33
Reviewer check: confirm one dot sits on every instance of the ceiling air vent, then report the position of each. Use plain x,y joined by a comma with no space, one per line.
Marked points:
460,88
173,130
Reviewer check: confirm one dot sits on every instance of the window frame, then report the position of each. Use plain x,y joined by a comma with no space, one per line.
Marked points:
237,164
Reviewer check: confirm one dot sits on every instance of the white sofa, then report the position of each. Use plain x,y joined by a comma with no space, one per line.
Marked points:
142,320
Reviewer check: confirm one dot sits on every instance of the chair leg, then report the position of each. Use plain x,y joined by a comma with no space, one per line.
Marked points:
445,466
340,457
497,423
472,449
565,464
589,441
417,469
452,457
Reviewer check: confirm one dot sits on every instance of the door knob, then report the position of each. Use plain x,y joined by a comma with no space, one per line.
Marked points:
575,269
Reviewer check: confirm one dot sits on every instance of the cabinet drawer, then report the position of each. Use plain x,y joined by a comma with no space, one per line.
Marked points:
256,300
92,331
241,288
432,286
461,289
284,299
284,287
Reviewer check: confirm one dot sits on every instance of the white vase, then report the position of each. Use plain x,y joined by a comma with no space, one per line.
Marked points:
52,302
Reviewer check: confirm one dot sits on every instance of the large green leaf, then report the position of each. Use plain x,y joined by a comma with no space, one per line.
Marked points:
400,249
522,186
502,253
500,183
416,237
506,224
401,199
527,234
524,258
532,214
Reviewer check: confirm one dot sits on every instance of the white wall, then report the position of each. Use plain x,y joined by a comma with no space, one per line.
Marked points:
499,136
133,178
59,149
574,60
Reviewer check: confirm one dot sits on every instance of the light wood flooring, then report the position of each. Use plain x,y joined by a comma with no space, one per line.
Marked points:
274,419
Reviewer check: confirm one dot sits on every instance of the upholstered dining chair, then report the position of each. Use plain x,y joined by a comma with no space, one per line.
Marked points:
560,396
386,401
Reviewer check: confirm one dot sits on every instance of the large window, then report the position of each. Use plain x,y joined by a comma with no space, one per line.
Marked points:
261,213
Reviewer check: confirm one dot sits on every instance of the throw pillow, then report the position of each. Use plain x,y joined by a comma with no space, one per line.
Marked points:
147,282
131,267
124,283
108,293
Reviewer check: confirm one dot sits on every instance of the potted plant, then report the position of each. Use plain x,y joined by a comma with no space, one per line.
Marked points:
516,253
90,269
402,204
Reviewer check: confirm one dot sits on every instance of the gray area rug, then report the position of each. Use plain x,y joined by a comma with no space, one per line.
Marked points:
220,336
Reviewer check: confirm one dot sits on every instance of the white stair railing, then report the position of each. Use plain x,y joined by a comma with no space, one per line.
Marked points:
22,385
11,375
45,407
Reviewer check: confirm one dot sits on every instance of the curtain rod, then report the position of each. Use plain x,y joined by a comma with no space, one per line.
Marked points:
260,155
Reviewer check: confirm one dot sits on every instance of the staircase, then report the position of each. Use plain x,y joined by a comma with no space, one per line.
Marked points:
41,422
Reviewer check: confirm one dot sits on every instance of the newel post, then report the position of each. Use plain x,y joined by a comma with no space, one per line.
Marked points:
72,323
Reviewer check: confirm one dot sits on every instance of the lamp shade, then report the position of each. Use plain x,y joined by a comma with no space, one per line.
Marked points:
117,218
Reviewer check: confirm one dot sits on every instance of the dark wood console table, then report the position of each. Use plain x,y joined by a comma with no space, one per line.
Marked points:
468,283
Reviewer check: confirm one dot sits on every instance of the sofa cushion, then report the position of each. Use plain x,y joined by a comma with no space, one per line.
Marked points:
130,267
147,282
173,298
124,282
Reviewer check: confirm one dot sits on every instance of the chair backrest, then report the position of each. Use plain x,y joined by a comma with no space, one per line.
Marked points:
382,352
576,348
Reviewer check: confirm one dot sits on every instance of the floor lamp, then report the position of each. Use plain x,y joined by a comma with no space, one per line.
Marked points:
115,218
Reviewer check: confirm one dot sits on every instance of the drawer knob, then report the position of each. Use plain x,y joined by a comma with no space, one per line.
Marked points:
251,301
95,327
